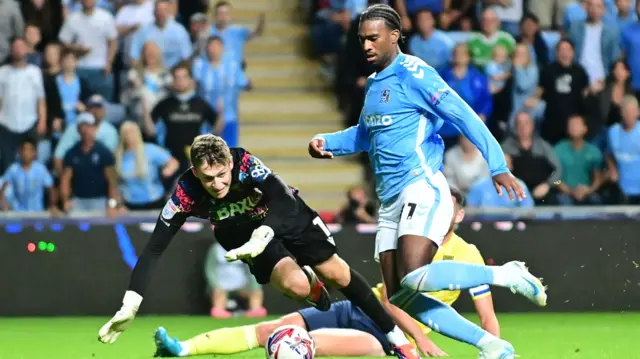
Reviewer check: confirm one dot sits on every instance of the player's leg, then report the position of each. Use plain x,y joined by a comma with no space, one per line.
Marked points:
425,220
317,249
224,340
346,343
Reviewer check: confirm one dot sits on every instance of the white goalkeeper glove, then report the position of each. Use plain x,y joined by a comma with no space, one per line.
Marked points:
122,320
260,237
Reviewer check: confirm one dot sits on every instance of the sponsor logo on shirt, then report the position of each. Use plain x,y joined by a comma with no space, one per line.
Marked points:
378,120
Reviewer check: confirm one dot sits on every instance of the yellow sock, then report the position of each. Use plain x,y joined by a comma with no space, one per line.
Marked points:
224,341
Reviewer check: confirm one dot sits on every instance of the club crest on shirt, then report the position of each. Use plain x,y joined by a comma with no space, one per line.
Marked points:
384,96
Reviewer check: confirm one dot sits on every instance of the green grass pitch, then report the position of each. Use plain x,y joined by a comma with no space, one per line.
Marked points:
535,336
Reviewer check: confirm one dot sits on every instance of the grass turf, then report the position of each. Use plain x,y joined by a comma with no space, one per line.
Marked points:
535,336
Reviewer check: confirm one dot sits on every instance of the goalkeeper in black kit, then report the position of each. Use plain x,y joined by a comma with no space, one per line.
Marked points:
263,222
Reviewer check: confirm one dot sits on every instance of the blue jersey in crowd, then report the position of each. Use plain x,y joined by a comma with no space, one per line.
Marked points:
234,38
28,185
147,189
405,106
625,148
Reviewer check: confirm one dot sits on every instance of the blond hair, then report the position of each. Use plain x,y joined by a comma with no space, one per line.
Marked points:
142,166
209,149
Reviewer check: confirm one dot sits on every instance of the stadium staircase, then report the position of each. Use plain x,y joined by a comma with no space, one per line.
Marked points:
289,104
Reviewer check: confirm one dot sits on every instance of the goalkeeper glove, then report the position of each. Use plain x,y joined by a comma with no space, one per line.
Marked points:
260,237
122,320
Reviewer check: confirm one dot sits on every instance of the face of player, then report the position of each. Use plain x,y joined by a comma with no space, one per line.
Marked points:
458,216
223,16
216,179
378,42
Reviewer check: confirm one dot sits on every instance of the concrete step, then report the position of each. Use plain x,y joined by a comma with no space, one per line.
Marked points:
257,47
268,118
300,69
300,103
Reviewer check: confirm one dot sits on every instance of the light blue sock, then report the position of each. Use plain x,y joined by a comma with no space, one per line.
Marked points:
450,275
441,317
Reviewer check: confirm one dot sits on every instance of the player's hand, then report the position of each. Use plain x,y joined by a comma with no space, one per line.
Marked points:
316,148
122,320
510,183
430,349
254,247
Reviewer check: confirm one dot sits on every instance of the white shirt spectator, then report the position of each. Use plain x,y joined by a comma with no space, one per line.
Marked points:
20,90
511,13
93,31
592,55
463,172
134,14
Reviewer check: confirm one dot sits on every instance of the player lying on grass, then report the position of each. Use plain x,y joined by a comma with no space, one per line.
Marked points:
344,330
265,223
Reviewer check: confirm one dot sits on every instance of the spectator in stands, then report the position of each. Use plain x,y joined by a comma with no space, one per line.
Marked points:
408,10
220,80
131,17
22,97
533,159
606,110
92,35
630,43
563,85
167,33
581,164
482,194
525,83
51,67
32,38
498,69
71,6
47,15
597,44
623,160
224,278
106,133
71,88
483,43
625,14
431,45
235,37
358,209
88,177
29,179
531,36
11,26
471,84
178,118
199,31
149,82
330,27
574,11
139,166
509,12
464,165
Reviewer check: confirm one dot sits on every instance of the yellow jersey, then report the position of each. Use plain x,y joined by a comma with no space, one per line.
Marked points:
454,249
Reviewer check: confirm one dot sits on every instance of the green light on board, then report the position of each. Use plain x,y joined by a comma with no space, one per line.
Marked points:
42,245
51,247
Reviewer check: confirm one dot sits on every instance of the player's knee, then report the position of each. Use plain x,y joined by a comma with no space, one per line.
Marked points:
335,272
296,284
416,279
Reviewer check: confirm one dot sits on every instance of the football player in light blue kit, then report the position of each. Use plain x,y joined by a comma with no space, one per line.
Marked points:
406,103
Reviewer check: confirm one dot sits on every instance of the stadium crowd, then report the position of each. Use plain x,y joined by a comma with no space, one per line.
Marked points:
91,88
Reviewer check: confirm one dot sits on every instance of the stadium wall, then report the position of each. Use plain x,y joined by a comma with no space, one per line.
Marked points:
74,268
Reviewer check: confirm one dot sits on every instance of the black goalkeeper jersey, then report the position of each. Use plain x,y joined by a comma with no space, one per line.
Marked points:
257,196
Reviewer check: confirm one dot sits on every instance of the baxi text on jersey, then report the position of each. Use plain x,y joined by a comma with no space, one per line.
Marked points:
244,206
378,120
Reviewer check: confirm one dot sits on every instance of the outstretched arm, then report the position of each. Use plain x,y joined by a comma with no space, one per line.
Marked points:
346,142
433,94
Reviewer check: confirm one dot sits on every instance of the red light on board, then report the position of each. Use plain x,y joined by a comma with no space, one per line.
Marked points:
31,247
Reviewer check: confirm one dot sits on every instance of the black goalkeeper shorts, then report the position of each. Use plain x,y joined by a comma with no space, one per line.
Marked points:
314,245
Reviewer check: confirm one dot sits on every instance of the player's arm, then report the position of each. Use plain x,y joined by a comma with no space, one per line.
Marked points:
346,142
482,299
280,202
172,217
409,325
432,93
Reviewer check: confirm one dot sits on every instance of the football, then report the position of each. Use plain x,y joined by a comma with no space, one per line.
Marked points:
290,342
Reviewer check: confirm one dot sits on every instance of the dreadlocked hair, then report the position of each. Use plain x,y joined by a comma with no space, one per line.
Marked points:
385,13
